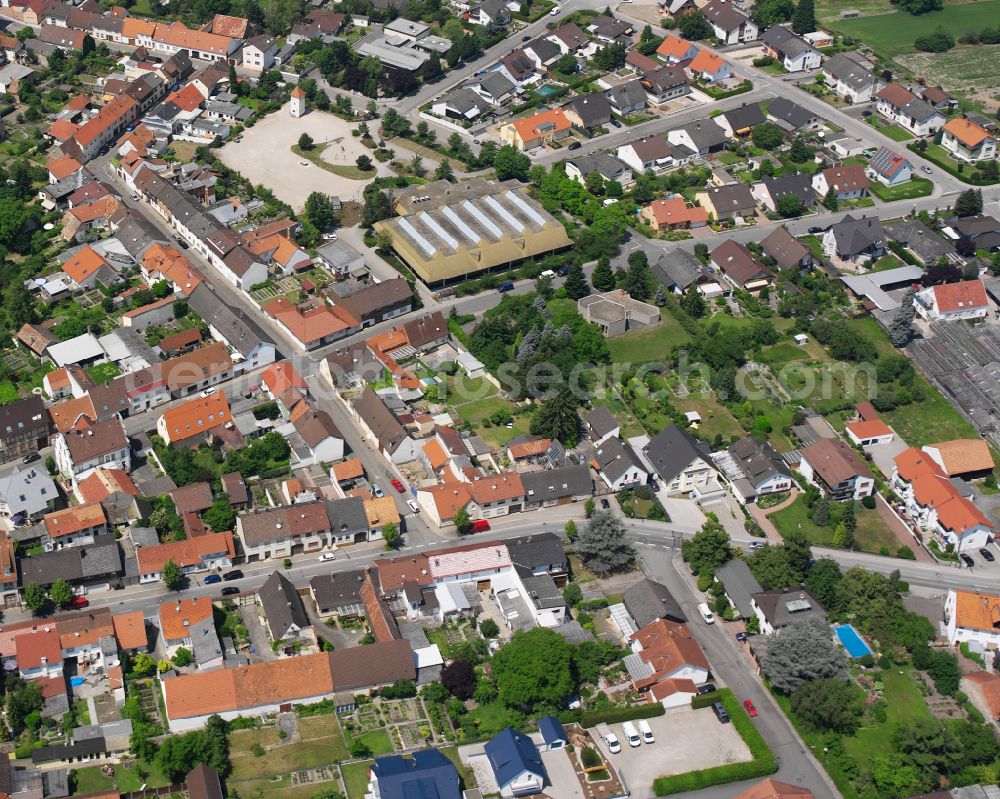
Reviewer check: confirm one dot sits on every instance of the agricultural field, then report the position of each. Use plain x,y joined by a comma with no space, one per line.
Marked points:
973,72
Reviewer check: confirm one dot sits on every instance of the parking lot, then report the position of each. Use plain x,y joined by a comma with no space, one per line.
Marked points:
686,740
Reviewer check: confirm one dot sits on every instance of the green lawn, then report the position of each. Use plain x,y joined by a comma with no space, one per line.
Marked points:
886,262
650,344
104,372
915,187
815,245
465,774
871,534
894,33
8,392
716,418
931,420
904,705
355,777
377,741
322,743
90,779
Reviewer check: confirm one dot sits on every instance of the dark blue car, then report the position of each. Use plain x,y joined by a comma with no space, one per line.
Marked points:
212,579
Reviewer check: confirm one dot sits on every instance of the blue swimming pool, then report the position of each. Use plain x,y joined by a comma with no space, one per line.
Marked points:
853,643
76,681
545,91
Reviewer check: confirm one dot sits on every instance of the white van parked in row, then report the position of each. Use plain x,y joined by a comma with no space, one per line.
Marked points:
706,614
631,734
647,732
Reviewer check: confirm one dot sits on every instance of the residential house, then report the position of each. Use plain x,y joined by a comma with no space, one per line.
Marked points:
627,98
95,565
857,240
950,301
649,153
962,457
983,230
426,771
618,465
194,421
461,103
340,258
649,601
202,553
528,133
665,651
739,122
740,267
379,423
274,532
542,53
850,78
610,29
836,469
313,323
26,494
754,469
494,87
319,433
557,486
77,525
682,464
846,182
39,653
793,52
674,49
973,617
380,301
921,241
866,432
284,614
702,137
673,214
607,166
179,616
783,607
569,38
710,67
770,190
677,269
900,105
728,202
602,425
665,83
516,763
251,348
740,586
490,12
889,168
259,52
791,117
87,445
729,25
615,312
967,141
338,594
24,428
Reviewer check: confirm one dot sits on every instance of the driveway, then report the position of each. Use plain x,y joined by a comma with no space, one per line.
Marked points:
685,740
281,170
882,454
259,642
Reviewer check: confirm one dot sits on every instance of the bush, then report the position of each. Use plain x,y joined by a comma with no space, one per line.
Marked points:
884,662
868,502
611,715
704,581
705,700
905,553
589,758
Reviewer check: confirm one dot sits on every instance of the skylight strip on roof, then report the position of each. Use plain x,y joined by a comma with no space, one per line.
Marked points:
483,220
504,214
531,213
459,224
411,231
439,231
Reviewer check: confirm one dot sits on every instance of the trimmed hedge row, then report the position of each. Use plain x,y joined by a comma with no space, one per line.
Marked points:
762,764
612,715
705,700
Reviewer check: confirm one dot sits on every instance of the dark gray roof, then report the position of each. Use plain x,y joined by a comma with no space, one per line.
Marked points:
510,753
855,236
785,249
593,109
347,514
282,606
915,235
542,591
464,100
627,94
793,115
535,551
426,775
740,585
782,607
705,133
616,458
723,14
87,748
758,460
673,450
849,72
746,116
380,420
798,185
648,601
337,590
543,49
678,268
205,645
569,481
920,109
608,166
734,197
240,331
786,42
103,558
601,421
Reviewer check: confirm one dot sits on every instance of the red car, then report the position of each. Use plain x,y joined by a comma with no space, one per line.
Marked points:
77,603
398,485
480,526
748,704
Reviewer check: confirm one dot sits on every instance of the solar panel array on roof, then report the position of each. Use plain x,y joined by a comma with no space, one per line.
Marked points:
525,208
797,605
411,231
483,220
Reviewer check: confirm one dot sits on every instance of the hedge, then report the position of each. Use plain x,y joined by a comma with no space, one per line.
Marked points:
962,176
762,764
705,700
612,715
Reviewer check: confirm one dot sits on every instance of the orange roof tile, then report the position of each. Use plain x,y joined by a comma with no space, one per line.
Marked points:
968,133
977,611
674,47
196,417
772,789
187,98
435,454
869,429
959,516
65,414
130,629
281,377
671,686
394,573
226,25
706,61
960,296
496,488
348,470
64,167
103,482
177,617
186,553
39,647
77,102
312,321
134,26
674,211
381,511
667,646
84,629
963,455
58,378
74,519
83,264
529,128
61,129
989,686
529,449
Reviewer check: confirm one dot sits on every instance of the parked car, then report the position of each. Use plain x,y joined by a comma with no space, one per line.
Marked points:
212,579
398,485
575,146
562,271
866,113
208,392
706,614
605,504
377,490
987,555
927,169
615,123
413,505
707,688
31,457
646,731
741,637
612,741
230,590
327,556
720,712
526,38
480,526
815,229
77,603
631,734
554,12
751,710
758,544
967,560
235,574
505,287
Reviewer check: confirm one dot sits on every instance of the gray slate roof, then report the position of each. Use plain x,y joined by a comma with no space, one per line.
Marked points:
282,606
648,601
535,551
740,585
569,481
673,450
678,268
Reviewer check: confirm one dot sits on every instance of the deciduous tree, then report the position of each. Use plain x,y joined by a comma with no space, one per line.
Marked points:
171,575
830,705
708,549
60,592
460,678
534,671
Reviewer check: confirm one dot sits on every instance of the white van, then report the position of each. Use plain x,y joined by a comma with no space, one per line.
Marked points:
647,732
612,741
631,734
413,505
706,614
